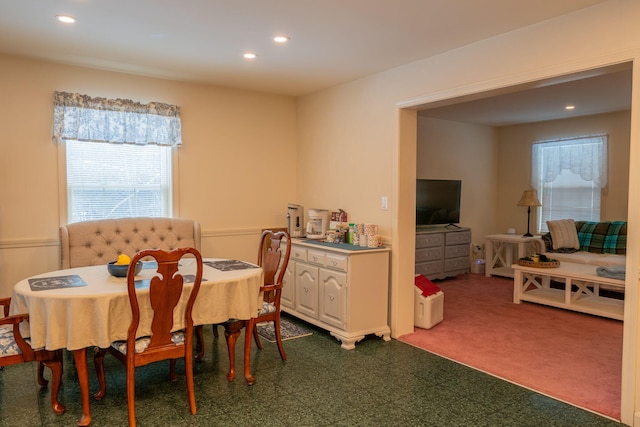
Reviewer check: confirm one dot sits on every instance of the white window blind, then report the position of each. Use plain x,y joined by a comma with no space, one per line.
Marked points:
112,181
569,175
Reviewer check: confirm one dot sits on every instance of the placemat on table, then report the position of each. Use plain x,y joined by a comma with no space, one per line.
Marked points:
229,265
58,282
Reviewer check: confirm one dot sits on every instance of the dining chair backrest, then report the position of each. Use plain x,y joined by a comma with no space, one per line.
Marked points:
270,256
165,291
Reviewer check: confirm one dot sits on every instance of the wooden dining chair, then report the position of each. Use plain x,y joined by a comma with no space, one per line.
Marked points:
165,290
15,349
274,265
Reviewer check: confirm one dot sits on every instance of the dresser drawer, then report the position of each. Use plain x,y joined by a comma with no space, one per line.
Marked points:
458,238
428,240
456,264
336,262
428,254
298,253
429,268
315,257
456,251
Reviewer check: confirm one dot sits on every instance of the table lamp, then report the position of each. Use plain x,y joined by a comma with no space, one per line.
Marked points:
529,198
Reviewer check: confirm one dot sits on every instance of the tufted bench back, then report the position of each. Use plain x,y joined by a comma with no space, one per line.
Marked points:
99,242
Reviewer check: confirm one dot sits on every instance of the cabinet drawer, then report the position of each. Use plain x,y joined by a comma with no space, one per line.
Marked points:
428,240
456,251
456,264
298,253
337,262
315,257
428,254
428,268
458,238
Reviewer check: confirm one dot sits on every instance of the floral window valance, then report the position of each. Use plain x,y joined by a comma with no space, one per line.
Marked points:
585,156
119,121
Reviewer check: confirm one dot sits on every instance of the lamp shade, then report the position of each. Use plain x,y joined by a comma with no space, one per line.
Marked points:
529,198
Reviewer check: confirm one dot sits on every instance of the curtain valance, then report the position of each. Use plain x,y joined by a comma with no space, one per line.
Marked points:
119,121
585,156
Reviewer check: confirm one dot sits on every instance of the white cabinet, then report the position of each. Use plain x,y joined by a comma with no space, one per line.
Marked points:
442,252
343,291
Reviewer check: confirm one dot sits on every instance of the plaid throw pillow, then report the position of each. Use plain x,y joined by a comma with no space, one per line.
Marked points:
591,235
615,241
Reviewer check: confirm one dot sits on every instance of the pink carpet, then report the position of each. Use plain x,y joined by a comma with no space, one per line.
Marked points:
573,357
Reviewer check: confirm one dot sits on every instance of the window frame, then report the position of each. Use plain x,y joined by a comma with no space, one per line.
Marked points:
63,197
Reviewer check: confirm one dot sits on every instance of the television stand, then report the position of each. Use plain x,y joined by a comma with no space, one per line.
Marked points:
442,251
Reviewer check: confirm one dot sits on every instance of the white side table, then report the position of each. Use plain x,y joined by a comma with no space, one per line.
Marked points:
500,249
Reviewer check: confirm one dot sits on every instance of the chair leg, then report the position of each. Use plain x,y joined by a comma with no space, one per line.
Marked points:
215,330
131,395
172,371
98,363
188,367
200,342
56,378
256,338
251,325
41,379
276,325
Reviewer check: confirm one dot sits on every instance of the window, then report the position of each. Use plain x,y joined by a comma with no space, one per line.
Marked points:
115,181
569,175
118,156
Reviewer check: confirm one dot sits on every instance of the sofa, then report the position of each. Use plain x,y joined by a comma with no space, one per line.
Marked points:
101,241
602,244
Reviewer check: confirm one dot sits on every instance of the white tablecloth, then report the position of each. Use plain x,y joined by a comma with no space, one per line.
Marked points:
100,313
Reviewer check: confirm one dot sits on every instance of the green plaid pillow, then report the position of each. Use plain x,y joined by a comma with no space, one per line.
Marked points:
592,235
615,241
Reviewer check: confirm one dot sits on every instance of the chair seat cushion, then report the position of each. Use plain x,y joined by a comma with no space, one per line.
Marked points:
266,308
142,343
8,344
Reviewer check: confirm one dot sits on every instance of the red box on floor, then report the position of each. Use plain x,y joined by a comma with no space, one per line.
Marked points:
428,311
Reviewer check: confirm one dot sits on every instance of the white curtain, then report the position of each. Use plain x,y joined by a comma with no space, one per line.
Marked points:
585,156
119,121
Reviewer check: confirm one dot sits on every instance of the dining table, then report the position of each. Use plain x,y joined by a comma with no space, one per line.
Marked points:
85,307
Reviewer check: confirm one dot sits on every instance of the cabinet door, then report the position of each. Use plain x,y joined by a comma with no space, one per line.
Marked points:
333,298
306,279
289,286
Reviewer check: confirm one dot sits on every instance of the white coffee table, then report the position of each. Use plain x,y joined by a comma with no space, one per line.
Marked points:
533,284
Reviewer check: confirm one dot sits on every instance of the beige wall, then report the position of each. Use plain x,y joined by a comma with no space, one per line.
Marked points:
454,150
236,167
515,163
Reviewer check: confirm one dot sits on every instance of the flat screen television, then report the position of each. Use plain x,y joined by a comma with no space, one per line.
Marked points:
437,201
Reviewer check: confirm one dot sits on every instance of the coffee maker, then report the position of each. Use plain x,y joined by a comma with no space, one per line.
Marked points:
295,220
318,223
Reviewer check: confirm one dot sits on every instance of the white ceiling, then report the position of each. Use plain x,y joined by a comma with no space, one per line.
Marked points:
597,91
332,41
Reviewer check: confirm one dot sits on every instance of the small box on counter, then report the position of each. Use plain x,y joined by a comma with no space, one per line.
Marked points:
336,218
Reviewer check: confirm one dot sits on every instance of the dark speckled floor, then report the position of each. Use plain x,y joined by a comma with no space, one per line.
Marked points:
377,384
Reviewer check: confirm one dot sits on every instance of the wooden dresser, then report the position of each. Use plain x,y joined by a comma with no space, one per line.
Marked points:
443,251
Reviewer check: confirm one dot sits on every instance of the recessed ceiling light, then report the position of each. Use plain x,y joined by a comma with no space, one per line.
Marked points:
249,55
281,39
66,19
570,107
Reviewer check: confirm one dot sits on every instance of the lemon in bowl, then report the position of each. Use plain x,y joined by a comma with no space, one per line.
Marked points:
119,267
